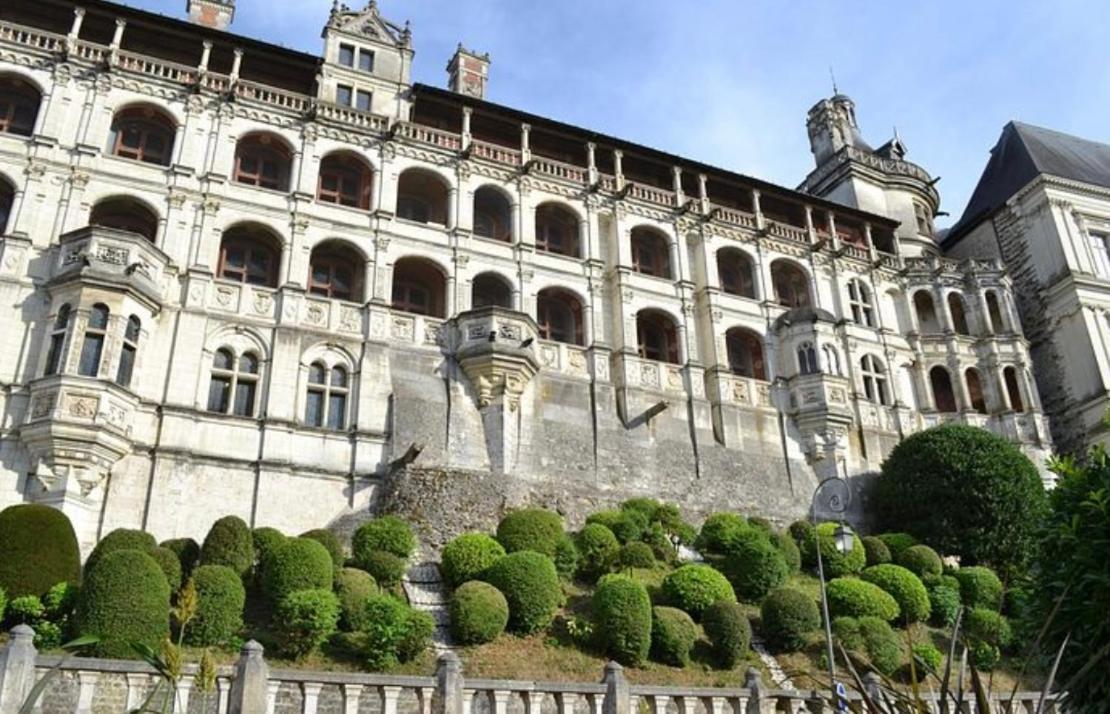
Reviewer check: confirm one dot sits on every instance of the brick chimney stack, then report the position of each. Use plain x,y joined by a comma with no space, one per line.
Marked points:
216,14
468,72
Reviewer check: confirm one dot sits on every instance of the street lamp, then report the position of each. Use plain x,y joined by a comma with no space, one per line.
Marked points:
843,541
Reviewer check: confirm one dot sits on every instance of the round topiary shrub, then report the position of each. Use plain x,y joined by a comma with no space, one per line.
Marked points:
988,626
627,525
220,601
305,619
984,656
187,551
673,635
120,539
906,589
944,603
852,597
297,564
980,587
388,534
622,618
386,568
872,637
718,531
921,560
352,587
729,632
897,542
649,507
787,616
331,543
754,566
531,587
37,549
124,600
229,542
876,550
566,557
694,587
266,540
928,659
170,564
835,563
789,549
535,529
598,550
762,524
636,555
479,613
467,556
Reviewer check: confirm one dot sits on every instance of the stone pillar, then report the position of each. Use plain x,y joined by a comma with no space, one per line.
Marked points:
618,168
452,207
591,162
525,148
466,136
17,669
758,701
618,696
250,688
448,698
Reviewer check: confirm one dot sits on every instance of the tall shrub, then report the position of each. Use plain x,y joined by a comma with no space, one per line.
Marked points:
229,543
37,550
220,600
622,610
389,534
531,587
467,556
124,600
120,539
297,564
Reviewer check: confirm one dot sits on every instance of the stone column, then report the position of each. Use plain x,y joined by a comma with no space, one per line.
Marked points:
250,688
448,698
17,669
758,701
618,697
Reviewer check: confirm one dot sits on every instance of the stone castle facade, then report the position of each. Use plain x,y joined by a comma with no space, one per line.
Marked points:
241,279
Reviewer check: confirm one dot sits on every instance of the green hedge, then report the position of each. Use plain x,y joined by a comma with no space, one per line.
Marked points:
305,619
220,601
729,632
352,587
906,589
534,529
636,555
873,637
331,543
25,610
980,587
897,542
229,542
566,557
266,540
835,563
673,634
718,531
627,525
387,568
297,564
852,597
38,549
694,587
170,564
921,560
649,507
124,600
382,624
467,556
389,534
787,617
479,613
187,551
622,617
117,540
877,551
754,566
531,586
598,549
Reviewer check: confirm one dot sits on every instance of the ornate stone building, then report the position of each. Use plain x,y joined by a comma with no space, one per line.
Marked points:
242,279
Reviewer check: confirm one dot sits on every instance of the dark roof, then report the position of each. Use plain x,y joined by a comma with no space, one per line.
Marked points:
1022,153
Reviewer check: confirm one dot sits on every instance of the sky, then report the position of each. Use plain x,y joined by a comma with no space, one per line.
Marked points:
728,82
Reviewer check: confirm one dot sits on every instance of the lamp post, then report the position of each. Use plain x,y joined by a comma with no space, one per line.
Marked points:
843,540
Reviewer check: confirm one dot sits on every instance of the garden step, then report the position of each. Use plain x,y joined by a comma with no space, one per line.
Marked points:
426,591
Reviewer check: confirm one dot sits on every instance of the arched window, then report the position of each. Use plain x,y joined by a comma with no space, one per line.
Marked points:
345,179
959,316
492,214
234,385
250,254
745,353
125,214
807,359
874,380
490,289
422,197
926,312
832,360
19,106
335,271
129,351
943,396
1013,389
263,160
994,310
859,300
736,272
143,134
7,199
559,316
58,339
975,390
651,255
790,283
657,336
92,348
557,230
418,286
326,400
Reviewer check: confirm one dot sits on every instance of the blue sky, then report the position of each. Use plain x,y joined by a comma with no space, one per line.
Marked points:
728,82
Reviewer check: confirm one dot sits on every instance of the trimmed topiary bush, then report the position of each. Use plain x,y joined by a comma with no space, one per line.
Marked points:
988,626
944,603
331,543
38,549
479,613
852,597
694,587
229,542
467,556
383,624
627,525
297,564
649,507
535,529
980,587
787,616
718,531
187,551
754,566
835,563
921,560
673,634
928,659
876,550
566,557
872,637
598,550
897,542
388,534
789,549
622,618
984,655
906,589
220,601
352,587
266,540
386,568
120,539
170,564
636,555
124,600
305,619
531,587
729,632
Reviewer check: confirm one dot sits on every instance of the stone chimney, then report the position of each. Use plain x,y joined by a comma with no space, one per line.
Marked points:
467,73
216,14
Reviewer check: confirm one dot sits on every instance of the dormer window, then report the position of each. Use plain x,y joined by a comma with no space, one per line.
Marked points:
348,54
366,60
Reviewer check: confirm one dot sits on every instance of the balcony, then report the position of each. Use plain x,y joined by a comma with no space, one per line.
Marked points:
118,258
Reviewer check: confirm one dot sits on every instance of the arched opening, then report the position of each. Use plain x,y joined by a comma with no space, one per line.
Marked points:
19,105
807,359
651,254
657,336
926,312
125,214
745,353
326,396
736,272
1013,389
790,283
859,301
335,271
559,316
263,160
874,380
142,133
832,360
492,214
994,311
422,197
7,200
345,180
943,396
975,390
250,254
490,289
419,287
959,315
557,230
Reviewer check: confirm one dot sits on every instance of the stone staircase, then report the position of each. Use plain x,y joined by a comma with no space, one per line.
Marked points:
426,591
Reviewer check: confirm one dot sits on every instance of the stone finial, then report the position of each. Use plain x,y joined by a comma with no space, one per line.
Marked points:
250,687
448,697
618,697
17,668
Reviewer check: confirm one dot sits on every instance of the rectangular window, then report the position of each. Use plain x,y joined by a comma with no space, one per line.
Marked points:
343,95
54,356
362,102
90,355
314,409
347,55
1102,259
244,398
219,393
366,60
337,408
126,366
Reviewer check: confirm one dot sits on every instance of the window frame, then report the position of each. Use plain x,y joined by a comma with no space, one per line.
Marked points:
250,246
129,352
236,379
253,148
328,393
333,262
558,216
651,254
94,341
146,128
59,332
876,388
19,96
340,169
549,330
807,359
860,303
